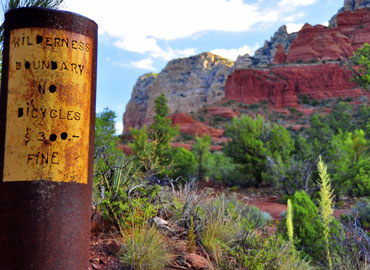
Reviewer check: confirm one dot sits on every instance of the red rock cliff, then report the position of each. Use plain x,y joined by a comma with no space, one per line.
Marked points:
281,86
305,69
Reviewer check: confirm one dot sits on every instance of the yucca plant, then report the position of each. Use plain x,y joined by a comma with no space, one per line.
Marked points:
326,204
114,182
289,226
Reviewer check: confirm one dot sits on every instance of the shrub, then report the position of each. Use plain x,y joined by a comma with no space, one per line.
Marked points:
361,212
145,249
187,137
218,119
359,64
224,222
252,141
272,254
352,166
352,249
315,102
307,227
126,199
222,169
305,99
292,110
201,154
184,163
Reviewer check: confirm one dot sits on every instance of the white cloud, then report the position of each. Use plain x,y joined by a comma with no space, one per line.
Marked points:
232,54
138,25
146,64
325,24
294,17
138,44
143,64
170,53
170,19
296,3
293,27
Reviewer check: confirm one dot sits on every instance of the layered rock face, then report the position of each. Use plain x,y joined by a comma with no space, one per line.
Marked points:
281,41
312,66
350,5
319,43
281,86
187,125
188,83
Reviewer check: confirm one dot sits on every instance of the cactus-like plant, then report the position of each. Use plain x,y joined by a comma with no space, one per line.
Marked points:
289,225
326,204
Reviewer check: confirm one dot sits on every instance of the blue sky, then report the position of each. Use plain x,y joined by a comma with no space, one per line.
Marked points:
140,36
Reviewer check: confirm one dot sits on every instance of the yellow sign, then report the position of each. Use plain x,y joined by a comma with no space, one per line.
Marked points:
48,107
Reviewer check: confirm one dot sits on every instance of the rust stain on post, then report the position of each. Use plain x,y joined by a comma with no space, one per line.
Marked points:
48,111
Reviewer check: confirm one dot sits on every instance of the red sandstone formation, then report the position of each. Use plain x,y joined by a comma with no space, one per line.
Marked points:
182,118
319,43
281,86
225,112
126,149
323,43
216,148
188,125
220,140
187,146
280,56
355,25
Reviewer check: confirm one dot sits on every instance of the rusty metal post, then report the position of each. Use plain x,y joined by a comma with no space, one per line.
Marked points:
47,118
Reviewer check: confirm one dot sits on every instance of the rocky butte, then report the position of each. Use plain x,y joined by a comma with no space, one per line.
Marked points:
309,63
188,83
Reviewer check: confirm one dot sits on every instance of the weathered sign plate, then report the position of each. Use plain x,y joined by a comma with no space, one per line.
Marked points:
48,106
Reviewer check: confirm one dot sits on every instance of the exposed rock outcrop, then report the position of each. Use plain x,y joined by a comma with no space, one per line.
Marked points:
281,86
319,43
349,5
187,125
137,107
188,83
280,55
266,54
302,71
225,112
355,25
